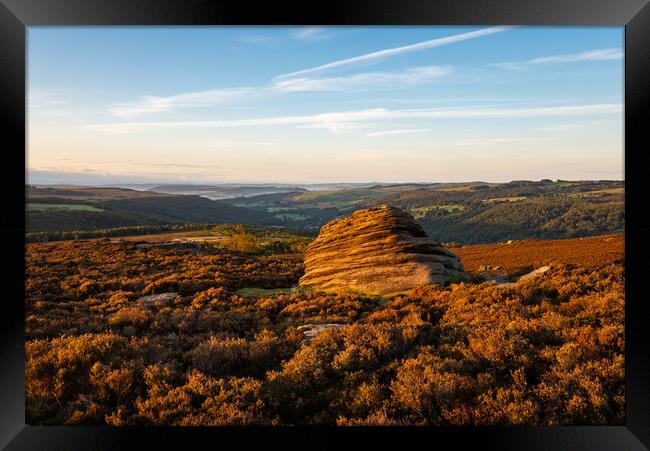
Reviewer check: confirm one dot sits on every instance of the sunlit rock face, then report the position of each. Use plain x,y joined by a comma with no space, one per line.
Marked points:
378,251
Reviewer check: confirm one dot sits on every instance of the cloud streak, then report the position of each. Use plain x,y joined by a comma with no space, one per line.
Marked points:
592,55
155,104
340,120
298,82
387,53
362,81
310,34
301,81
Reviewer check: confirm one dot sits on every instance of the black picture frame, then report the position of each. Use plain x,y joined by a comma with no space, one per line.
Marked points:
16,15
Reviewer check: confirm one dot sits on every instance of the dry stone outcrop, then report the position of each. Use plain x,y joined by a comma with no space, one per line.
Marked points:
378,251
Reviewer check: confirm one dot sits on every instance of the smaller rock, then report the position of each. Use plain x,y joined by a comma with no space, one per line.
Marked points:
158,299
531,275
314,330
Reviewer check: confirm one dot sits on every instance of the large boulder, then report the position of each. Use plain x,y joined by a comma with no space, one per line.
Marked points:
378,251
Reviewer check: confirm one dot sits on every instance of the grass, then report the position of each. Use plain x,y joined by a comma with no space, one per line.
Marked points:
620,190
344,195
252,204
290,217
255,292
72,207
279,209
420,212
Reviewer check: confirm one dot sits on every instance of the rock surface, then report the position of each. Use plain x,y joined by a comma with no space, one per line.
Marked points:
503,282
378,251
533,274
314,330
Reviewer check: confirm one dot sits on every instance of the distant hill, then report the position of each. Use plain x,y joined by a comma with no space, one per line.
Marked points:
88,208
469,213
225,191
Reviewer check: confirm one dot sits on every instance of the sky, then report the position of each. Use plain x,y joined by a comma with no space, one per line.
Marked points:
226,104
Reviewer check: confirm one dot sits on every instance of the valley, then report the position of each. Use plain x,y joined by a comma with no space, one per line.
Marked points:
467,213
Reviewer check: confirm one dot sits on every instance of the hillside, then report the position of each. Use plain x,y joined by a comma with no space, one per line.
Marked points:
465,213
89,208
469,213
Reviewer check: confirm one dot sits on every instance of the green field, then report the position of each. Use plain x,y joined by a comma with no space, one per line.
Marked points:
290,217
72,207
620,190
344,195
421,212
279,209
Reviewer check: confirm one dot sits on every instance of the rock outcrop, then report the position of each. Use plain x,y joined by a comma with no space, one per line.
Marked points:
378,251
314,330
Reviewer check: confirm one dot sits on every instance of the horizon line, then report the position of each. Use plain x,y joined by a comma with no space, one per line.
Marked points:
318,183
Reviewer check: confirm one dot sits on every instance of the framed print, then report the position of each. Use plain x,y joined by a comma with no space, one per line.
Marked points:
271,226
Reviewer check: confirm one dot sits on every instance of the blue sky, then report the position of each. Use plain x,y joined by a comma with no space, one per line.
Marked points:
323,104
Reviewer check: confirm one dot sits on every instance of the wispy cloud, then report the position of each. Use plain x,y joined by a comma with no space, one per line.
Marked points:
299,82
338,120
361,81
592,55
387,53
42,99
398,132
155,104
311,34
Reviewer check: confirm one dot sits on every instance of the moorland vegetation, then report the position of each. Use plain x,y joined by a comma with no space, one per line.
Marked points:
548,351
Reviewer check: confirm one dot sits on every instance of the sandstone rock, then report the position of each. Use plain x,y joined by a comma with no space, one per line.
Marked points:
378,251
533,274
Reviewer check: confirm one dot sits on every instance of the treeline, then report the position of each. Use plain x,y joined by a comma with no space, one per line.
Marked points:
547,217
237,232
143,211
42,237
475,196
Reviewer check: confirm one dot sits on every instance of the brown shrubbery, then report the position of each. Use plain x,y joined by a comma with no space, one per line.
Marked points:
547,351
